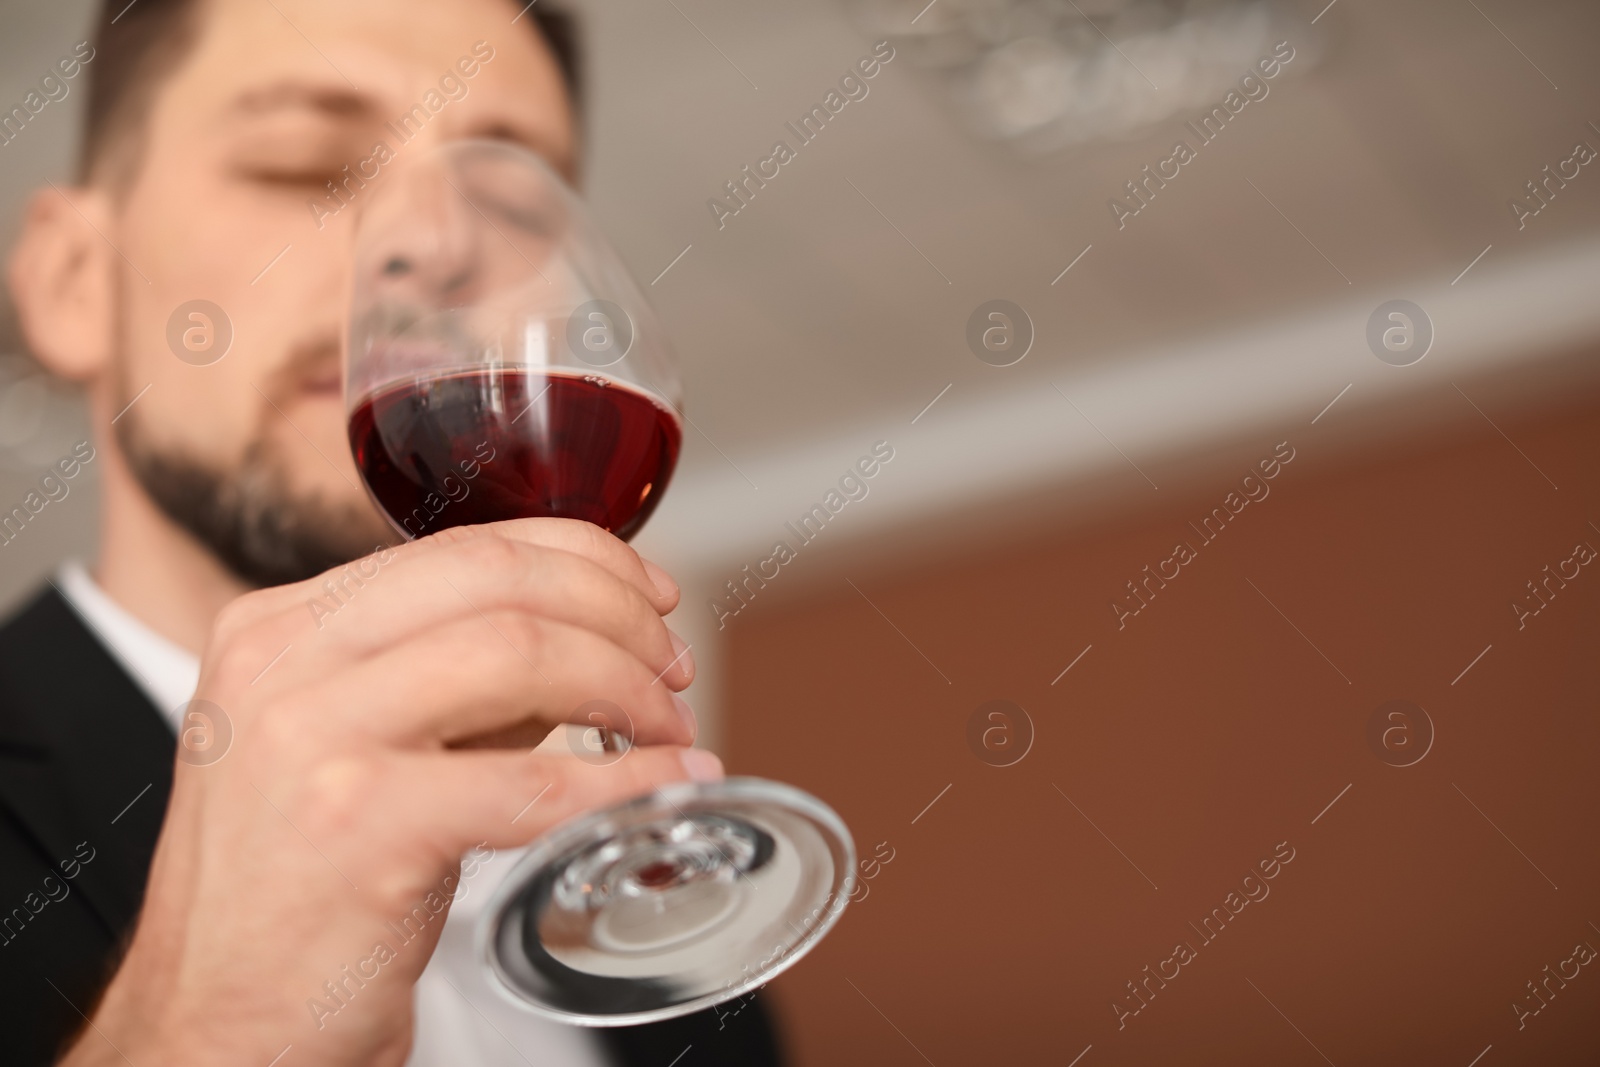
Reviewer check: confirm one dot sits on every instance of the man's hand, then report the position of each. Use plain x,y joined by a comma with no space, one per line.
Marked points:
346,798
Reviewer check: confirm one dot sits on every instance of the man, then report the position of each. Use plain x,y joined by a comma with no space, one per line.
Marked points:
225,910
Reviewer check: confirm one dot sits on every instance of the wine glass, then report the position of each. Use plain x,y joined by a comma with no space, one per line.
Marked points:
503,364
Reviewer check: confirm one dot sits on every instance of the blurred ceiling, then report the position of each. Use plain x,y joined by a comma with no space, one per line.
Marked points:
833,307
1394,157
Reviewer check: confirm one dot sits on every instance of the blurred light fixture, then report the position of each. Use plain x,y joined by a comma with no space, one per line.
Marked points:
1045,74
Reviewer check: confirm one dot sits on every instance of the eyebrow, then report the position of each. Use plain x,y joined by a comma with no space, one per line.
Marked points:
333,101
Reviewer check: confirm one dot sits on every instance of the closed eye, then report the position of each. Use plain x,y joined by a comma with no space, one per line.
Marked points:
293,178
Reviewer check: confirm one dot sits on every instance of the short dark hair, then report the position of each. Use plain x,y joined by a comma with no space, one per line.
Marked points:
137,45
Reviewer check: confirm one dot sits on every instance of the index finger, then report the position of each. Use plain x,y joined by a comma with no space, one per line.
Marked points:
583,539
570,535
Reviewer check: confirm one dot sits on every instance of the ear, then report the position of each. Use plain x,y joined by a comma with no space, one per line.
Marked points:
62,277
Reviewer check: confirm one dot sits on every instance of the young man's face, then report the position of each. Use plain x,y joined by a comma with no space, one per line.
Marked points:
272,102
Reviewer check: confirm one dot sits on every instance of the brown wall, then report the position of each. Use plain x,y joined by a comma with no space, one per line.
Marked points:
1196,740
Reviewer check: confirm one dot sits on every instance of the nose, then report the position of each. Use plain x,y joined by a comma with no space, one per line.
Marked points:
423,241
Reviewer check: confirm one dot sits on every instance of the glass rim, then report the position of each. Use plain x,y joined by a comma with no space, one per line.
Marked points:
353,400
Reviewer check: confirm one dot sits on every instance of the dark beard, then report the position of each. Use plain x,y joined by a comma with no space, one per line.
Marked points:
249,517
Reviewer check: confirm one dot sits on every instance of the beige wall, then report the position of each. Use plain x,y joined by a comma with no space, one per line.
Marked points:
1196,740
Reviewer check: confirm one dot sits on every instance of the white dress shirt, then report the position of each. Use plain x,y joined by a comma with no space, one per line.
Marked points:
460,1020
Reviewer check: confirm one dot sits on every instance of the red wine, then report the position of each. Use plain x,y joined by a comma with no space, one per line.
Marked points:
495,443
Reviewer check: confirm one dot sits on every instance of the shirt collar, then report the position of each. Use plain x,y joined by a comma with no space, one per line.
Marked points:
166,672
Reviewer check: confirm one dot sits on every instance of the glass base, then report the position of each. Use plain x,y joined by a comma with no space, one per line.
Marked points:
687,897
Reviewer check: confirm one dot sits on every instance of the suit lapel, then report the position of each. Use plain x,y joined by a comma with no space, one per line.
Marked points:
85,760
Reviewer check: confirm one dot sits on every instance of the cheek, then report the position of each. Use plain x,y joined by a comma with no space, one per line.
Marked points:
207,239
198,232
211,413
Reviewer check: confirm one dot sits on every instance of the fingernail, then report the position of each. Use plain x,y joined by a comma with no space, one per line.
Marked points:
681,654
686,713
703,766
665,586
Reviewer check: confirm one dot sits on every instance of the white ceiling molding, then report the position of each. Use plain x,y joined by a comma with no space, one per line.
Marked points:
1157,405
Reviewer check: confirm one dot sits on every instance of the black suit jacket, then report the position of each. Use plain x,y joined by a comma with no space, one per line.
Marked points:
85,771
